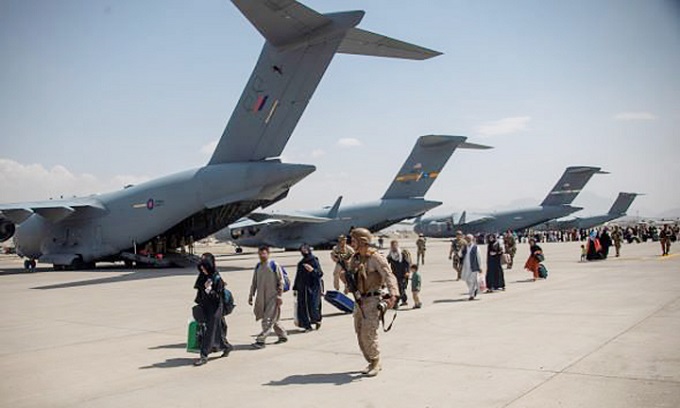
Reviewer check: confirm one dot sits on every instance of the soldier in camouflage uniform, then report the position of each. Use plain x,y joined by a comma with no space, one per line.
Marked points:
375,284
421,245
456,253
340,253
510,244
617,237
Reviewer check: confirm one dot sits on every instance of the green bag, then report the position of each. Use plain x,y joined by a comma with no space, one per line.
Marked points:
194,337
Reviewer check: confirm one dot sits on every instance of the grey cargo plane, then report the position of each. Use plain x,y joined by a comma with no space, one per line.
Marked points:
244,172
618,210
402,200
556,205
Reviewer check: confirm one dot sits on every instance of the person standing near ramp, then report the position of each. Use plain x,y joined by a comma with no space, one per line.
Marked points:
421,245
372,276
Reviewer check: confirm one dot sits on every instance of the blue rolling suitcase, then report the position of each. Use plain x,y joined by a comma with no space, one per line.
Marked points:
339,300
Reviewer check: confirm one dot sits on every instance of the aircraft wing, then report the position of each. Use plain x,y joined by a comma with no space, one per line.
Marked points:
480,220
53,210
287,218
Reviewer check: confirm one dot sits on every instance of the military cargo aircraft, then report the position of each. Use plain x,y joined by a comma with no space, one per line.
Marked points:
245,171
557,204
618,210
402,200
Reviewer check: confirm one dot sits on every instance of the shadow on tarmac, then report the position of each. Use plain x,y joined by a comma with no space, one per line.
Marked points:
331,378
141,274
169,346
451,300
171,363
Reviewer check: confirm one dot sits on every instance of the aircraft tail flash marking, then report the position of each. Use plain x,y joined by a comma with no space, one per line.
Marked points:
260,102
271,111
565,192
417,176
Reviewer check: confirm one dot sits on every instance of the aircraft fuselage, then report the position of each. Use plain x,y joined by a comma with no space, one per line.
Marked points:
193,203
375,216
499,222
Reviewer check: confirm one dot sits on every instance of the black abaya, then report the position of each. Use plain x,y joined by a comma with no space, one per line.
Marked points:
495,277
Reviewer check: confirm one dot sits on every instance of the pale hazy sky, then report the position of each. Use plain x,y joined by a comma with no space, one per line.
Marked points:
97,94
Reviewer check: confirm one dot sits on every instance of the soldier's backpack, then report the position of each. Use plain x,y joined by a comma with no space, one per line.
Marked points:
227,299
286,279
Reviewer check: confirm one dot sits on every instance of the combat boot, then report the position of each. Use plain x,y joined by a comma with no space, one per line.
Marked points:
374,368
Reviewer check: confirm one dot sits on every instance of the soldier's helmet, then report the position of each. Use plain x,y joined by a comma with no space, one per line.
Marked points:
459,233
362,235
342,238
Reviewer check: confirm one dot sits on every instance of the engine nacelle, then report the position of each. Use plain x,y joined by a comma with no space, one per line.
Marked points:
7,229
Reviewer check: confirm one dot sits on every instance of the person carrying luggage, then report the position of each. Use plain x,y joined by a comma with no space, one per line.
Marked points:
209,310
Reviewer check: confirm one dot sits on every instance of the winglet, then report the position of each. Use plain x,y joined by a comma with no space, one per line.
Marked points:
333,212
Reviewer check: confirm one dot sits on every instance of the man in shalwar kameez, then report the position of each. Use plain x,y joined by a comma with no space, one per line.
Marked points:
472,266
267,288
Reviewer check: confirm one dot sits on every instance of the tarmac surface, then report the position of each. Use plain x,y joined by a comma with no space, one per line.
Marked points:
599,334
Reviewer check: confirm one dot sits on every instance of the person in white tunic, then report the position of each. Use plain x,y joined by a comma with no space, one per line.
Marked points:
472,266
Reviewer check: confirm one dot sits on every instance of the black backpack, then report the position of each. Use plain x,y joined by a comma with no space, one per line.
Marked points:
227,299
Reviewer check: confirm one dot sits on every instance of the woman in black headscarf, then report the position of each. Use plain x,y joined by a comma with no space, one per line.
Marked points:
495,279
308,287
208,310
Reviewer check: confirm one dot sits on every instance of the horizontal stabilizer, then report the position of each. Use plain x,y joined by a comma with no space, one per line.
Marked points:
362,42
475,146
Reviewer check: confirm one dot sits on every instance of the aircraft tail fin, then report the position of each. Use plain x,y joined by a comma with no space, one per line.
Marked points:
427,159
622,203
300,44
463,216
333,212
570,185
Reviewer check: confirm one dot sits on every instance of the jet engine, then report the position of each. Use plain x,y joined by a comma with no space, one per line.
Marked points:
7,229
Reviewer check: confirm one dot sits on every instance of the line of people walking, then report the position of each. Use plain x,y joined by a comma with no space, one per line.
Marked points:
374,286
501,250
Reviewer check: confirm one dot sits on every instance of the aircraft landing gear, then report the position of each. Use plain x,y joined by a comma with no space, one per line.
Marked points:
239,250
